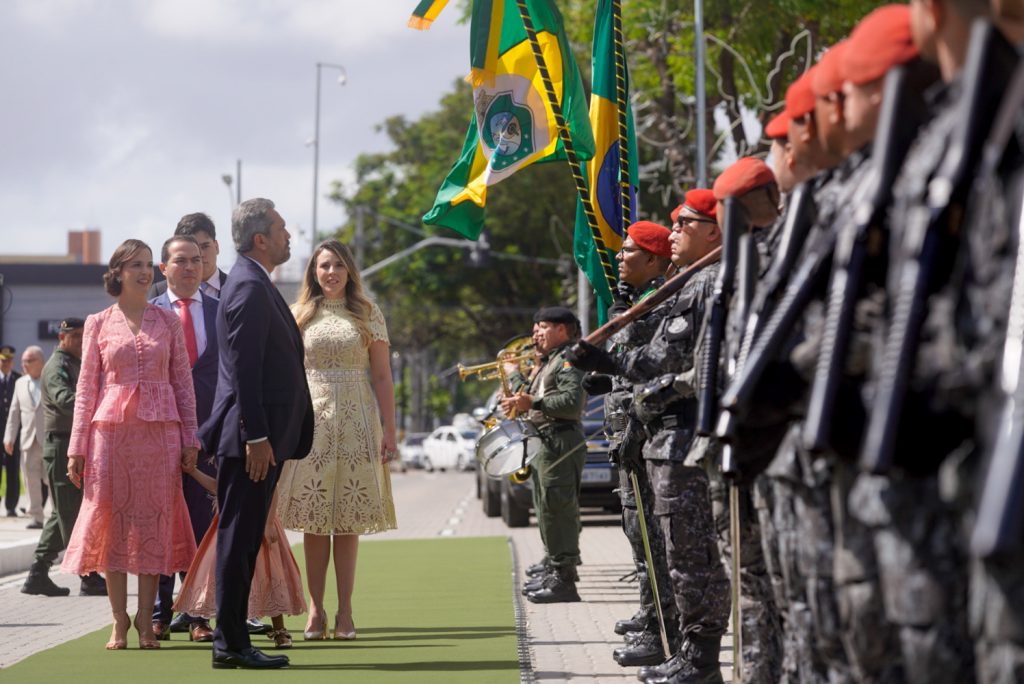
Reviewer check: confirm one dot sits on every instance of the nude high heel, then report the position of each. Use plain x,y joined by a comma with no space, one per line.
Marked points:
316,634
343,635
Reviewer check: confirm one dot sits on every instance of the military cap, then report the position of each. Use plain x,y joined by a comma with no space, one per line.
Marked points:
701,201
745,175
778,127
6,352
69,324
675,213
879,42
800,97
555,314
828,74
652,237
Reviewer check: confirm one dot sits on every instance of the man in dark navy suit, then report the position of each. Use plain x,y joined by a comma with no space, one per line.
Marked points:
181,262
262,415
199,226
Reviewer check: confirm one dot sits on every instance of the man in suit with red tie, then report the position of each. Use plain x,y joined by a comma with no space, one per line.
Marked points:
182,264
262,415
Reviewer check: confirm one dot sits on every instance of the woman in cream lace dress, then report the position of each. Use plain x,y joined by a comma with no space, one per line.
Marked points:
343,488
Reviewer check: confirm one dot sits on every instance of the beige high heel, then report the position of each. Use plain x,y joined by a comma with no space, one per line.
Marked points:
341,635
316,634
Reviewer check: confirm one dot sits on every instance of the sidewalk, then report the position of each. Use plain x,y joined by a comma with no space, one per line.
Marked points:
565,642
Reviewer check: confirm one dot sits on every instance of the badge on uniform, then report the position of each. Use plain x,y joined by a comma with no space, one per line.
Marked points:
566,364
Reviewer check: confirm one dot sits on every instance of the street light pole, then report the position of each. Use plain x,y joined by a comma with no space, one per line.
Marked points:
316,140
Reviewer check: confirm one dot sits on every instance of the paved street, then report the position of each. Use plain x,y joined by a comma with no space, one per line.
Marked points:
566,642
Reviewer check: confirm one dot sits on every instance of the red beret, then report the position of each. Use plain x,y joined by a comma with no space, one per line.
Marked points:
879,42
675,212
652,237
742,177
799,96
829,74
701,201
778,127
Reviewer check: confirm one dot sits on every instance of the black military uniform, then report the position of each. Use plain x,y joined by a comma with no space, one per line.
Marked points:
664,376
557,472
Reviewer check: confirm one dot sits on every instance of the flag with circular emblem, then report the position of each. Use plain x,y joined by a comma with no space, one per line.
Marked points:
513,124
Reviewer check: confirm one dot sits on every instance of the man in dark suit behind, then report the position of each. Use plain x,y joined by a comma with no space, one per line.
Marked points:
182,263
11,463
262,415
199,226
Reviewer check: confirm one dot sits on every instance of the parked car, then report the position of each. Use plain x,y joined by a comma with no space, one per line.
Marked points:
513,501
449,447
410,450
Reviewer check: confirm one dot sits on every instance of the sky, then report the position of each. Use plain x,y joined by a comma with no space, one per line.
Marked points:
124,115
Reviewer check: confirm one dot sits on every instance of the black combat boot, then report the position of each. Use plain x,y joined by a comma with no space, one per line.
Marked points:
641,620
39,583
645,649
697,663
93,585
538,569
559,587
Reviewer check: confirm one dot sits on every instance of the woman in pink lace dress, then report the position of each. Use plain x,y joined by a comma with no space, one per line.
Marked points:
134,431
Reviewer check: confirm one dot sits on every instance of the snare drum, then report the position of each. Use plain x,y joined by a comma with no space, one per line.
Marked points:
507,447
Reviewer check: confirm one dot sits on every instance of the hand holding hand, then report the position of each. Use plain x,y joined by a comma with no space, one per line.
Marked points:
189,457
76,468
259,457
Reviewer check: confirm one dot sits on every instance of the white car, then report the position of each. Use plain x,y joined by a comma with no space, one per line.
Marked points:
449,447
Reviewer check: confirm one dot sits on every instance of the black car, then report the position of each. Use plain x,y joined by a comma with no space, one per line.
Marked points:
513,501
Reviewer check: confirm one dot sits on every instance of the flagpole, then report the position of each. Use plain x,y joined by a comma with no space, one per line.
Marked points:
570,151
621,103
702,162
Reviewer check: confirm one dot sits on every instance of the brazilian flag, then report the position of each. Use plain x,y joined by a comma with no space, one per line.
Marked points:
513,124
604,172
425,14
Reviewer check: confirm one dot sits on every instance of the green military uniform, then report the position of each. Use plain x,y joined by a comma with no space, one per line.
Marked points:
558,401
59,379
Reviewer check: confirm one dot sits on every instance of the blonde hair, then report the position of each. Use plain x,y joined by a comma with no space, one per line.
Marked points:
312,295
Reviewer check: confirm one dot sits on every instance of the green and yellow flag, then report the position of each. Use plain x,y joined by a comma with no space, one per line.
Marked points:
425,14
604,171
513,124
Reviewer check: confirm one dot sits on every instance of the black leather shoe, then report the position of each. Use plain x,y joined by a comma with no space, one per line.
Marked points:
93,585
657,671
533,585
248,658
255,626
556,591
645,650
179,624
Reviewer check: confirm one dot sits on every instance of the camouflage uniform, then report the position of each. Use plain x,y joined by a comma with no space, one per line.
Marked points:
663,375
916,532
617,404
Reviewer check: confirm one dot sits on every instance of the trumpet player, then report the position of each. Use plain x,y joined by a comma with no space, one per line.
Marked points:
552,399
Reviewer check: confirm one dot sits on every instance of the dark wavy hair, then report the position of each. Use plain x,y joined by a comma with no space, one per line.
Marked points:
121,255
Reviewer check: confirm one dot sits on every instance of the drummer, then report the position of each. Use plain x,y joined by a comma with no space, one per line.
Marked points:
552,399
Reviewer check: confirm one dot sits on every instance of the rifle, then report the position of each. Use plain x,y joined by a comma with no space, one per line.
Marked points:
638,310
796,225
999,526
931,235
903,112
737,221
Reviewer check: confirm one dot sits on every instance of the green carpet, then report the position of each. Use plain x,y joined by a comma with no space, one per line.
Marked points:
436,610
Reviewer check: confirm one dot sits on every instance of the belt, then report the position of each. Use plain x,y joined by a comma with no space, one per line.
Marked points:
338,374
552,428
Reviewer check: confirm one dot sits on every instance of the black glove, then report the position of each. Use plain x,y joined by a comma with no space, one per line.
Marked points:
586,356
595,385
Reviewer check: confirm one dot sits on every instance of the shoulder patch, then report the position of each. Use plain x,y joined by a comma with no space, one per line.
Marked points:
566,364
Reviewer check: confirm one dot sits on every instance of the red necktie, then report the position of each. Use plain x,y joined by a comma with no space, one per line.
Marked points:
190,331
